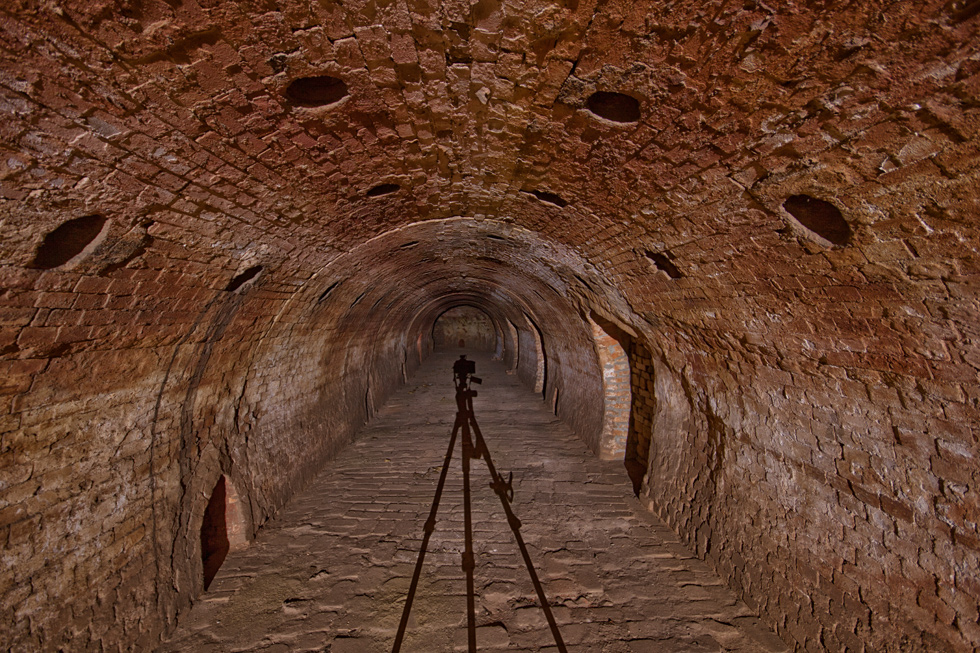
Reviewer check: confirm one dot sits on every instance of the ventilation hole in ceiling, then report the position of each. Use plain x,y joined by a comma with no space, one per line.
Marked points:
326,293
318,91
550,198
409,245
964,9
241,279
664,264
617,107
585,283
383,189
68,241
819,217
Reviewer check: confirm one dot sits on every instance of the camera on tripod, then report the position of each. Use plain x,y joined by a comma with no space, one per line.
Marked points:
464,367
463,370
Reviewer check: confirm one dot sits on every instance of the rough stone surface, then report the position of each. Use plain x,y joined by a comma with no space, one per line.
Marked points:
467,329
200,276
332,570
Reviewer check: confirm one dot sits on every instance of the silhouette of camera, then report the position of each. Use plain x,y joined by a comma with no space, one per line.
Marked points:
463,368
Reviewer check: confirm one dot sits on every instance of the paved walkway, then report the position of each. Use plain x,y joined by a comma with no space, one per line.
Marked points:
332,571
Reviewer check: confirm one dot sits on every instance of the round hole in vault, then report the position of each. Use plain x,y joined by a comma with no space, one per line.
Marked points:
316,91
241,279
664,264
819,217
68,241
383,189
549,197
617,107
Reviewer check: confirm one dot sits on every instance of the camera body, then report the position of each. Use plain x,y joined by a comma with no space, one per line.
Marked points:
463,371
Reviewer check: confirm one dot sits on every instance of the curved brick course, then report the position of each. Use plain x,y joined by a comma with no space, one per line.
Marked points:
806,392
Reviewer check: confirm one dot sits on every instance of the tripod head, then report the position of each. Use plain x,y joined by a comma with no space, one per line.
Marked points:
463,371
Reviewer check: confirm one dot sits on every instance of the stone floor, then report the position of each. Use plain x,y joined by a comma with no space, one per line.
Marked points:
332,571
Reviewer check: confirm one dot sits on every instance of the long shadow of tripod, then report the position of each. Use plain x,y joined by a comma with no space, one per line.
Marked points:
473,449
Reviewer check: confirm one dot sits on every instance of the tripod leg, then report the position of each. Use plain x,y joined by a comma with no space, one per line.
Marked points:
469,562
430,526
501,488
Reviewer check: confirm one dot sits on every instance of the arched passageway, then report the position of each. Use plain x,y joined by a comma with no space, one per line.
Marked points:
230,230
352,544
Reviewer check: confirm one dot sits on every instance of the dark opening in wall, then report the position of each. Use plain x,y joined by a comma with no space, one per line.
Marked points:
68,241
664,264
819,217
550,198
383,189
617,107
317,91
964,9
326,293
241,279
585,282
214,533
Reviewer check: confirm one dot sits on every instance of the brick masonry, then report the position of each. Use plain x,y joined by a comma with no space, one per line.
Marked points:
465,328
618,580
812,407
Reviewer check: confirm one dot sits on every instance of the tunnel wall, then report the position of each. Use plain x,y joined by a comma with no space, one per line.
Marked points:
829,487
109,510
530,358
575,373
467,324
803,388
511,345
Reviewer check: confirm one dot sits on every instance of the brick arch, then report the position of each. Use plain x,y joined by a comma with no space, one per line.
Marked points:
538,375
617,395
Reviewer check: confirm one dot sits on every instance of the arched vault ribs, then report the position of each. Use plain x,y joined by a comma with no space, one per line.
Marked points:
540,369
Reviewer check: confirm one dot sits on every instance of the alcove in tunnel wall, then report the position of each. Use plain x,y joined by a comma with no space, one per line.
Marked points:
532,366
513,352
612,345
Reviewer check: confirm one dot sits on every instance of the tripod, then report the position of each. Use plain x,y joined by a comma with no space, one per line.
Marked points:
474,447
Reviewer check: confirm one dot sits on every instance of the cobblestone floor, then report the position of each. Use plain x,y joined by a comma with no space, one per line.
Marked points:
332,571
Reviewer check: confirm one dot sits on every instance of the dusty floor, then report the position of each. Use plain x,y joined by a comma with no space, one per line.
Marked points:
331,573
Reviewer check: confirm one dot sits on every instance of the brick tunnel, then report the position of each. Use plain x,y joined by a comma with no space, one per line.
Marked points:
718,262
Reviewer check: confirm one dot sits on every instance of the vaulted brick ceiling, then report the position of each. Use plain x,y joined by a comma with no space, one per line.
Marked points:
784,215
